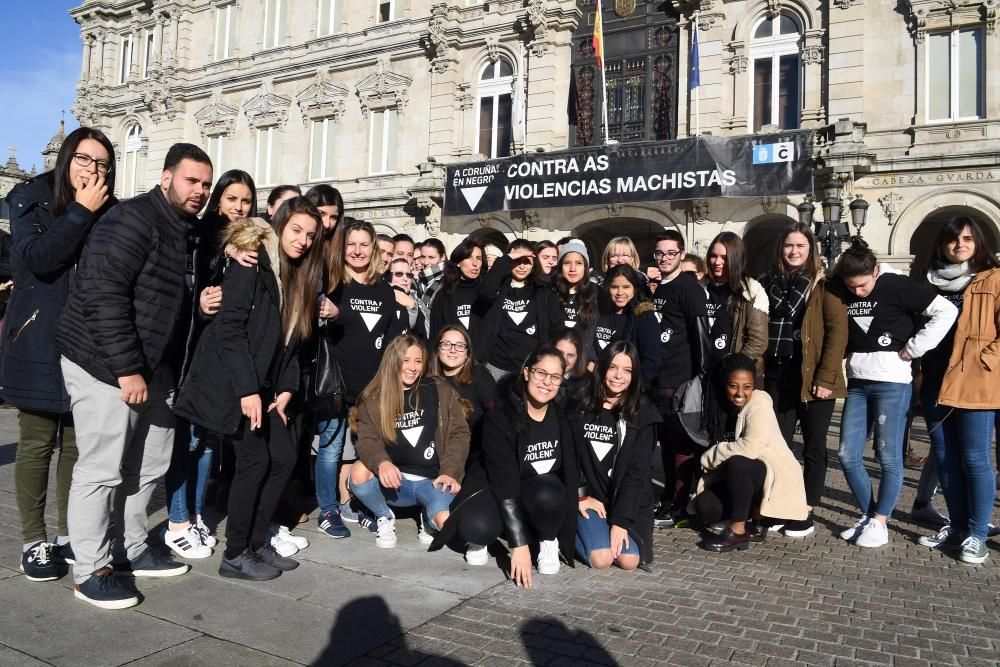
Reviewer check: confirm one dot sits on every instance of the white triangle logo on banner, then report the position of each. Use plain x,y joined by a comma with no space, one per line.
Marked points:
473,195
371,319
412,435
864,322
465,321
518,317
601,448
542,467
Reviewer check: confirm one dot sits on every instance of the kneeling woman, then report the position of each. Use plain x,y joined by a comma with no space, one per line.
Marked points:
413,440
749,470
246,359
615,436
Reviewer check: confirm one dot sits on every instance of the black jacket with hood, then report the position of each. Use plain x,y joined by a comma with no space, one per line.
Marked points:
242,351
632,496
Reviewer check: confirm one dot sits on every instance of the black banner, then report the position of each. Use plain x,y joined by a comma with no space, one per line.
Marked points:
696,168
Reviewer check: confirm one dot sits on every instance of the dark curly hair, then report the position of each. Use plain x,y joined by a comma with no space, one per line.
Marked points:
715,405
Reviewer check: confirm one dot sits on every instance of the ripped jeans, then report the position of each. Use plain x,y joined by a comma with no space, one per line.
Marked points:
887,402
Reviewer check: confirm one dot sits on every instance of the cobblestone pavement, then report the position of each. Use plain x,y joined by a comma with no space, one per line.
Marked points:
816,600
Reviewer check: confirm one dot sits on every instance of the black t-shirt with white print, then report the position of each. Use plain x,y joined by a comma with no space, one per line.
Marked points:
679,303
517,334
544,453
886,319
720,321
464,299
571,310
601,443
415,450
359,333
609,328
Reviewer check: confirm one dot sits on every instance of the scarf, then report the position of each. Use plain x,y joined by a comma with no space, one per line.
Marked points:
787,296
951,277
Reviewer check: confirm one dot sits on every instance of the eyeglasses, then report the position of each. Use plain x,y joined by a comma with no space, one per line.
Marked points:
84,160
541,376
623,255
669,253
446,346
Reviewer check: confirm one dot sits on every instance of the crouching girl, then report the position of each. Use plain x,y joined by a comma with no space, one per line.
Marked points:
749,471
413,440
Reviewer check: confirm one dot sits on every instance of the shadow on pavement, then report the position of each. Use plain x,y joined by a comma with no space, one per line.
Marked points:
342,647
560,641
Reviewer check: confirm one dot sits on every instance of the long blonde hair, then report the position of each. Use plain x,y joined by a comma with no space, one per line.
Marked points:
386,388
336,264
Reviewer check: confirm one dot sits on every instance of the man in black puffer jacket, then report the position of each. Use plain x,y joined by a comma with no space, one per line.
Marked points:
122,338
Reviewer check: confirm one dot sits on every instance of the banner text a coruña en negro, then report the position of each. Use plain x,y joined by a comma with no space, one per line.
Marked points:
696,168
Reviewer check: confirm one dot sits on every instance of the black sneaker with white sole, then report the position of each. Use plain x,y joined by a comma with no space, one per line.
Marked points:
270,555
63,553
104,590
802,528
37,563
248,565
153,564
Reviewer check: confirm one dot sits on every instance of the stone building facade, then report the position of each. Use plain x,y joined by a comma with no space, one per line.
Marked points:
375,97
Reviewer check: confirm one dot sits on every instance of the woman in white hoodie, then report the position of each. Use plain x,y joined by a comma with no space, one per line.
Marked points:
883,338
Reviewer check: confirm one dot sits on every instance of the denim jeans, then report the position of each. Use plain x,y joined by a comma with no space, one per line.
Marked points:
409,494
191,461
929,478
967,476
593,534
887,403
332,433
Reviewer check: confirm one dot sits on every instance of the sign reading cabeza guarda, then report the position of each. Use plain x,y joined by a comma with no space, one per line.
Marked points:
695,168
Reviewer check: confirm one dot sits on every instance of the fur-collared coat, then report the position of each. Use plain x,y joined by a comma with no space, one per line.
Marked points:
242,351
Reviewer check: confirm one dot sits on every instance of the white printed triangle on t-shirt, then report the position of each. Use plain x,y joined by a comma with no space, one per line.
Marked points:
518,317
602,343
864,322
412,435
371,319
569,324
659,316
465,321
542,467
601,448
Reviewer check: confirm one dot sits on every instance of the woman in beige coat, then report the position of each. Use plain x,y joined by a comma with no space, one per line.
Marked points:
749,471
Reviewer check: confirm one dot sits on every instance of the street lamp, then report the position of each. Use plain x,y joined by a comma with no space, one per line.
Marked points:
831,232
806,210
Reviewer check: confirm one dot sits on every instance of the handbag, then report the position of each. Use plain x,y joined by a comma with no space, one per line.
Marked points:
324,388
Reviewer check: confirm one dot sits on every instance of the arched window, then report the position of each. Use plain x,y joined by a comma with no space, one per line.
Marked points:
776,73
129,177
495,109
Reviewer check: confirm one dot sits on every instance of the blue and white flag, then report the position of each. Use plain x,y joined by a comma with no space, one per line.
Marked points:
694,70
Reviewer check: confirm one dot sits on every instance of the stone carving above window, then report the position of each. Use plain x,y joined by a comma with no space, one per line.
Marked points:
267,108
384,89
322,99
216,117
927,15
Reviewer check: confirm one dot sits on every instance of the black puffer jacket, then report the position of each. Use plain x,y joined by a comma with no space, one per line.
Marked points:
129,290
43,262
632,497
241,352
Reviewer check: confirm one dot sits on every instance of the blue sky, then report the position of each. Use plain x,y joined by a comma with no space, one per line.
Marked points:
41,53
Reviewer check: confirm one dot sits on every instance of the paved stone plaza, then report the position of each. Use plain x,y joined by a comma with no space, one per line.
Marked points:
812,601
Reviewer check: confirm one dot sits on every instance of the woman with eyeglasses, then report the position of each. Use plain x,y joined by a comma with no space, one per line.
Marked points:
628,314
523,311
457,301
411,311
51,216
615,434
413,440
453,361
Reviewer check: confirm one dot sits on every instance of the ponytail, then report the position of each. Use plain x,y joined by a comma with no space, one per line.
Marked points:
858,260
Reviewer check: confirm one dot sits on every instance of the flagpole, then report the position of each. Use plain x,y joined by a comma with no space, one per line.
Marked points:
697,90
604,76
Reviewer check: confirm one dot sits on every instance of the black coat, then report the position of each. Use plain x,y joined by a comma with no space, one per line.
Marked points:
241,352
641,328
632,497
493,289
443,306
43,260
130,290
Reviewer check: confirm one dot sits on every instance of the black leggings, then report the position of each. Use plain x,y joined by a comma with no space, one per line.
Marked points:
265,459
738,489
543,501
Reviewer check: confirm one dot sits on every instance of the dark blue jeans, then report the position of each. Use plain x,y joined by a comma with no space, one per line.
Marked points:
967,477
191,462
887,403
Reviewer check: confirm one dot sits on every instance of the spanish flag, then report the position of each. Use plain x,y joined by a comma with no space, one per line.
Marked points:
599,37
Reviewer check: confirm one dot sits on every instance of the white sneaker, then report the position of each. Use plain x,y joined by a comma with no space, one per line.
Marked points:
874,534
207,538
548,557
186,543
852,533
385,538
477,554
283,546
426,531
287,536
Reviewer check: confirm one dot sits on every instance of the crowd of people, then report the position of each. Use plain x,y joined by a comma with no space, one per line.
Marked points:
510,399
